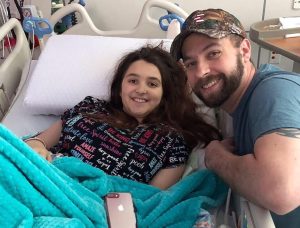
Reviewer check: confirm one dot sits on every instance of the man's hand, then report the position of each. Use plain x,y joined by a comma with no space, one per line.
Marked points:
215,149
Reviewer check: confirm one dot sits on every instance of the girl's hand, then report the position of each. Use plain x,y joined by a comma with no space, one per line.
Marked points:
40,148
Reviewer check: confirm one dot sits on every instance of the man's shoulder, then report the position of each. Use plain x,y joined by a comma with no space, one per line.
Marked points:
283,82
272,71
271,78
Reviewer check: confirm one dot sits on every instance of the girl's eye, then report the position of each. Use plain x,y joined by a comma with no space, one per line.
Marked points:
132,81
153,84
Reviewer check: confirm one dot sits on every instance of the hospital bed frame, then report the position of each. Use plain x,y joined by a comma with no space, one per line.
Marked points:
86,26
14,73
13,65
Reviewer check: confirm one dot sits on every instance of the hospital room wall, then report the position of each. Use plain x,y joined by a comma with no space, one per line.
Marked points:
250,12
126,15
275,9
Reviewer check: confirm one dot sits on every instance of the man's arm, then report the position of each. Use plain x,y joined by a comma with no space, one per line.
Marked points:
269,177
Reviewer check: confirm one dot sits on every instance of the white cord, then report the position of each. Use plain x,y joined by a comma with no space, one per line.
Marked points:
227,207
3,19
4,14
33,41
3,51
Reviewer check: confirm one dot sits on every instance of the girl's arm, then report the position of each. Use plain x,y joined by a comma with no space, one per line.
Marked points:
46,139
167,177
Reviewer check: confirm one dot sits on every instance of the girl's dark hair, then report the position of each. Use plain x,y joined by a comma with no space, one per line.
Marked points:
176,109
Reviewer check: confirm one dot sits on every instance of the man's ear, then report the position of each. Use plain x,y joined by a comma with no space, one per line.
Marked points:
245,49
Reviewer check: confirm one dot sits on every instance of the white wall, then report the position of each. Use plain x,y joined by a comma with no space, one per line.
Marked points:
124,14
247,12
275,9
43,5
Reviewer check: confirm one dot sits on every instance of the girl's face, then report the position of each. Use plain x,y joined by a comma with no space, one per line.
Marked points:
141,90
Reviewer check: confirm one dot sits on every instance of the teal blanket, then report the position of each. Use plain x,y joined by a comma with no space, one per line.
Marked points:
68,192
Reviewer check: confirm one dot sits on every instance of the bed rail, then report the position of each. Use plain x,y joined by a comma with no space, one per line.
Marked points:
147,26
13,65
256,216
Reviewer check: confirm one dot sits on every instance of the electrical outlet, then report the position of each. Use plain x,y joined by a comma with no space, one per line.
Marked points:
296,4
274,57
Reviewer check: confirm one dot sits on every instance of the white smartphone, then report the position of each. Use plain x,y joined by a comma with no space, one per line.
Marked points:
120,210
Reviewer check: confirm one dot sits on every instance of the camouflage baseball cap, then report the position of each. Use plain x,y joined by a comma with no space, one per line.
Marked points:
215,23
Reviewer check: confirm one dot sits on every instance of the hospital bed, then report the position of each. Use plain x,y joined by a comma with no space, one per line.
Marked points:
32,90
89,22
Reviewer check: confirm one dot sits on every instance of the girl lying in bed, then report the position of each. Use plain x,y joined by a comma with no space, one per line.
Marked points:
144,132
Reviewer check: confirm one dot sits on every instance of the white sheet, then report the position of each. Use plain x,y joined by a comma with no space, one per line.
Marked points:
22,123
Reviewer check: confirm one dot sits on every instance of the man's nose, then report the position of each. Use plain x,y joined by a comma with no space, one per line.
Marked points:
203,68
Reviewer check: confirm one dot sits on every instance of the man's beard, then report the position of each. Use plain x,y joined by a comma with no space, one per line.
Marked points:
231,83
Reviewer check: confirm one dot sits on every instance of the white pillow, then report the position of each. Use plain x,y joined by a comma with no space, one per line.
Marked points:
73,66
